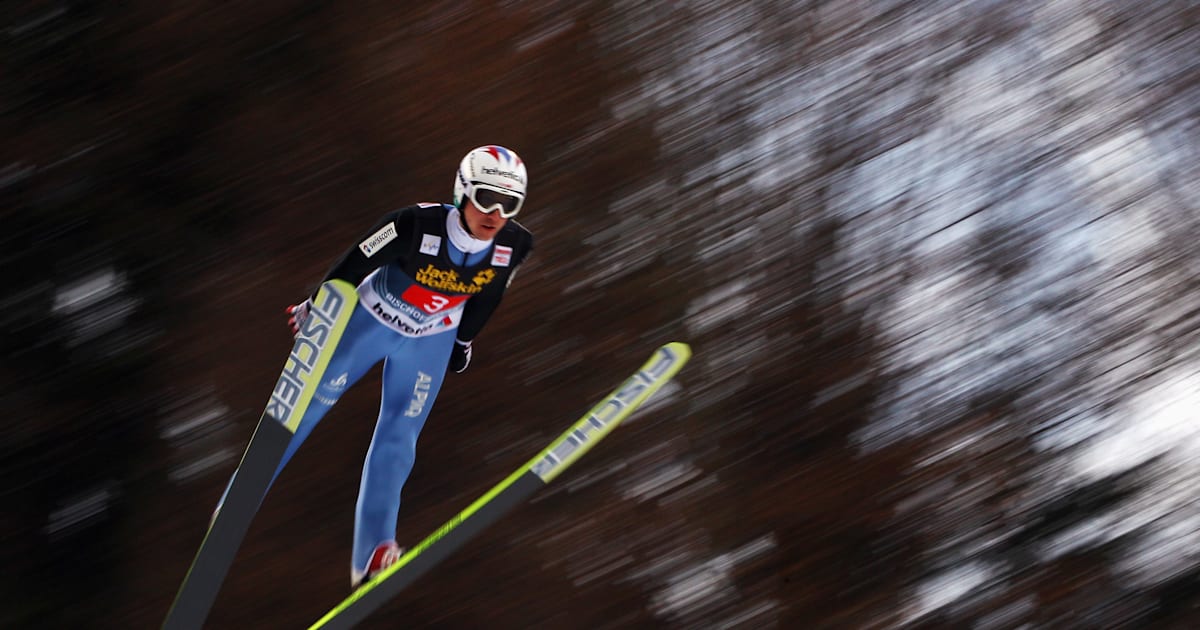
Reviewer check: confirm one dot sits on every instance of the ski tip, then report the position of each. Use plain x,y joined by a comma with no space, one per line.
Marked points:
681,350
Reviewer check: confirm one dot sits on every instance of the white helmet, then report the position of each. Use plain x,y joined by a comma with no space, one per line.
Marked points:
491,168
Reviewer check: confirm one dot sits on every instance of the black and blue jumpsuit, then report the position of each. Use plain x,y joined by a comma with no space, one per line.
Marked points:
422,281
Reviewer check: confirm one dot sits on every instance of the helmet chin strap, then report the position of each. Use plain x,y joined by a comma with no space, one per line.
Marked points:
462,220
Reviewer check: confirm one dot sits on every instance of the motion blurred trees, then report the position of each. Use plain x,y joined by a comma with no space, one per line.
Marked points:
930,255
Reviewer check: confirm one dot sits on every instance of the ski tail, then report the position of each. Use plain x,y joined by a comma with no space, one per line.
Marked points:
289,400
512,491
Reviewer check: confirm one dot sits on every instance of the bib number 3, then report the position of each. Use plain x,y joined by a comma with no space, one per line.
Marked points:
430,301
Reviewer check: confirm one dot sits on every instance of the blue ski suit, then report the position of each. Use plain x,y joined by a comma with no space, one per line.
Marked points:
418,291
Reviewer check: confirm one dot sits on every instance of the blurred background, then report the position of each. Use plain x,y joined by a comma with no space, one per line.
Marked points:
937,261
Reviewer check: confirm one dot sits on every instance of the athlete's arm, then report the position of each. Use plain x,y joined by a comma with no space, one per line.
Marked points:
387,241
476,313
480,308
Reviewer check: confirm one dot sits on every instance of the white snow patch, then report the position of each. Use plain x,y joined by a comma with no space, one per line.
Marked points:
948,587
708,584
720,306
661,481
1164,419
77,511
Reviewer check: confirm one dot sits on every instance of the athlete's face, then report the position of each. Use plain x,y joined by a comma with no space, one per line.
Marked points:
483,226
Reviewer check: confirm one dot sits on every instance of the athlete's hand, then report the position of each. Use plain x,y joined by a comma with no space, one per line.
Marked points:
297,313
460,356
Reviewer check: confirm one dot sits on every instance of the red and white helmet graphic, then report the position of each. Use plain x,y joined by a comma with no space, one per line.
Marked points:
492,167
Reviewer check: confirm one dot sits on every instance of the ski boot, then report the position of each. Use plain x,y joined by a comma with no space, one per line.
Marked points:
384,556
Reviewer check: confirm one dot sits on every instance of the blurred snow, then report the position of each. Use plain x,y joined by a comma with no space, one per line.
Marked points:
1165,419
95,304
1007,230
947,587
693,589
82,510
202,437
938,261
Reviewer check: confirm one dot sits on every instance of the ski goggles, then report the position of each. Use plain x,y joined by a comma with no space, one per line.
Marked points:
489,200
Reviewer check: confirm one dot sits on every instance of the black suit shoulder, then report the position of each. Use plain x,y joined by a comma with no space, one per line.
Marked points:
518,237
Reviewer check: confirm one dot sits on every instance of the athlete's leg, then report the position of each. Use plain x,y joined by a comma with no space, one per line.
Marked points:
412,377
364,344
359,349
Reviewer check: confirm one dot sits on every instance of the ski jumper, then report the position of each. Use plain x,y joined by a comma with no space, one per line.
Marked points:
422,281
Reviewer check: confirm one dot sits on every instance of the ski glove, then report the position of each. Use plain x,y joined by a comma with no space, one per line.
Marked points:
298,313
460,356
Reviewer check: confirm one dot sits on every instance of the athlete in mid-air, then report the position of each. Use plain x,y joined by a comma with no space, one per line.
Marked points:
429,276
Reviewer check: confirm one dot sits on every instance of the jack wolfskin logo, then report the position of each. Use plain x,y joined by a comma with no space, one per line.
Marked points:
484,277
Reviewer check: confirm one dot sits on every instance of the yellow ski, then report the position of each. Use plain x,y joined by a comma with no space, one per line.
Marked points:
293,391
519,486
